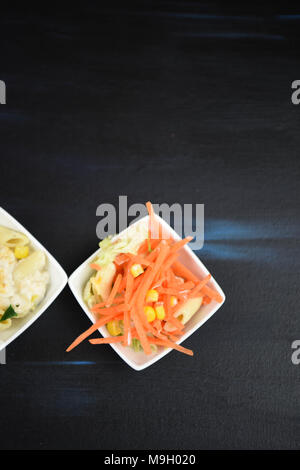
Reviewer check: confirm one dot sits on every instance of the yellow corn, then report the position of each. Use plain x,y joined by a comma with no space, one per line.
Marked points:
21,252
173,301
113,328
150,313
136,270
152,295
160,310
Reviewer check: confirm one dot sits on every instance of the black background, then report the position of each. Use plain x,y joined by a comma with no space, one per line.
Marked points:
183,102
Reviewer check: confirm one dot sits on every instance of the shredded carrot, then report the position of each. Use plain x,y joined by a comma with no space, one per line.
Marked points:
95,266
96,325
175,322
128,294
214,295
171,344
121,258
141,332
179,244
97,307
114,290
151,218
206,300
181,270
144,247
200,286
163,273
107,340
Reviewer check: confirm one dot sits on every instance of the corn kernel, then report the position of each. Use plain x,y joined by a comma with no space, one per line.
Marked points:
152,295
113,328
21,252
173,301
136,270
160,310
150,313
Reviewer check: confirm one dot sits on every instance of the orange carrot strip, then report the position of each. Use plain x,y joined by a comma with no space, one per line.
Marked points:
180,270
128,295
149,277
157,325
117,300
212,294
121,258
154,253
154,242
158,283
151,273
108,340
141,332
151,217
137,282
95,266
174,333
141,260
171,344
175,322
113,309
114,290
206,300
200,286
143,247
165,290
129,287
167,304
169,261
96,325
187,285
179,244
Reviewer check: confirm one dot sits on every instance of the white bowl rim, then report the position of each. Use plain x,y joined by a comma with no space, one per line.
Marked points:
38,312
157,357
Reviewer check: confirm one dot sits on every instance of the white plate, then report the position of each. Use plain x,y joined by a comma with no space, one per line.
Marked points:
58,280
140,360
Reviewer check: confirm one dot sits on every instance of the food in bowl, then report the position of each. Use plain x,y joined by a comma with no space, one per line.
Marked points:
141,292
23,276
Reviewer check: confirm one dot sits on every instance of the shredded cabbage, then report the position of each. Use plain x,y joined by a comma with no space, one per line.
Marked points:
129,243
137,346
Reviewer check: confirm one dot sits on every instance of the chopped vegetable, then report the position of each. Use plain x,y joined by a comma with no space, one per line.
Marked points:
114,339
114,290
95,266
9,313
113,327
136,270
21,252
150,313
160,310
152,295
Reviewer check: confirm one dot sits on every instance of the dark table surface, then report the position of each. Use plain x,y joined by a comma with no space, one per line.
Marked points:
172,102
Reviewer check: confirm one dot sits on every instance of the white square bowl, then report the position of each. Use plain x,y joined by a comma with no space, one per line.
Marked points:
140,360
58,280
